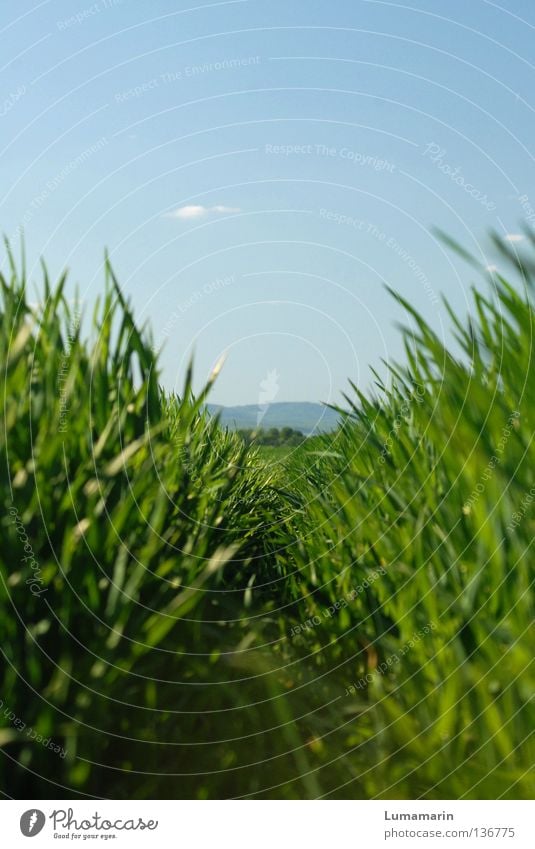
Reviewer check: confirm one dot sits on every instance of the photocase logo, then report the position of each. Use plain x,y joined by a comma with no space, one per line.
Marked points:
269,388
32,822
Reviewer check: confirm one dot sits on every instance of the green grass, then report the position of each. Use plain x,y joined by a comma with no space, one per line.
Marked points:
196,618
275,453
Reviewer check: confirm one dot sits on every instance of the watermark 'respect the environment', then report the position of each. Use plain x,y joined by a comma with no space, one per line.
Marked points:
368,228
27,730
63,373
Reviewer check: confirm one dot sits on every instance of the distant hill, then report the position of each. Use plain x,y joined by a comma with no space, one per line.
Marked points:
307,417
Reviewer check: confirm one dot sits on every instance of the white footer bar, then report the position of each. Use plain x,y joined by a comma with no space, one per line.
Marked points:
268,824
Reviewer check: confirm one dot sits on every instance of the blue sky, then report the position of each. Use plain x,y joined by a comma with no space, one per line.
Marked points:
259,170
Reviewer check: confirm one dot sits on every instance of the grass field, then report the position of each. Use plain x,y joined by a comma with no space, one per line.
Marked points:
184,616
275,453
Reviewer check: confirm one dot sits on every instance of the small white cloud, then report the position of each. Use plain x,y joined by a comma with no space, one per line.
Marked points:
186,213
514,237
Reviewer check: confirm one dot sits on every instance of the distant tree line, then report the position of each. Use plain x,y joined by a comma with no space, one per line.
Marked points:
284,436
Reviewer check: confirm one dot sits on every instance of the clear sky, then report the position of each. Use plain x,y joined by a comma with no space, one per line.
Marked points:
260,169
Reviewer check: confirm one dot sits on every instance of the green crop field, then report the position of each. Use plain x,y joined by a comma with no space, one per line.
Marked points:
183,617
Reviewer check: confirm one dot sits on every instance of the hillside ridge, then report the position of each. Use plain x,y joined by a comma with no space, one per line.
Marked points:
306,416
